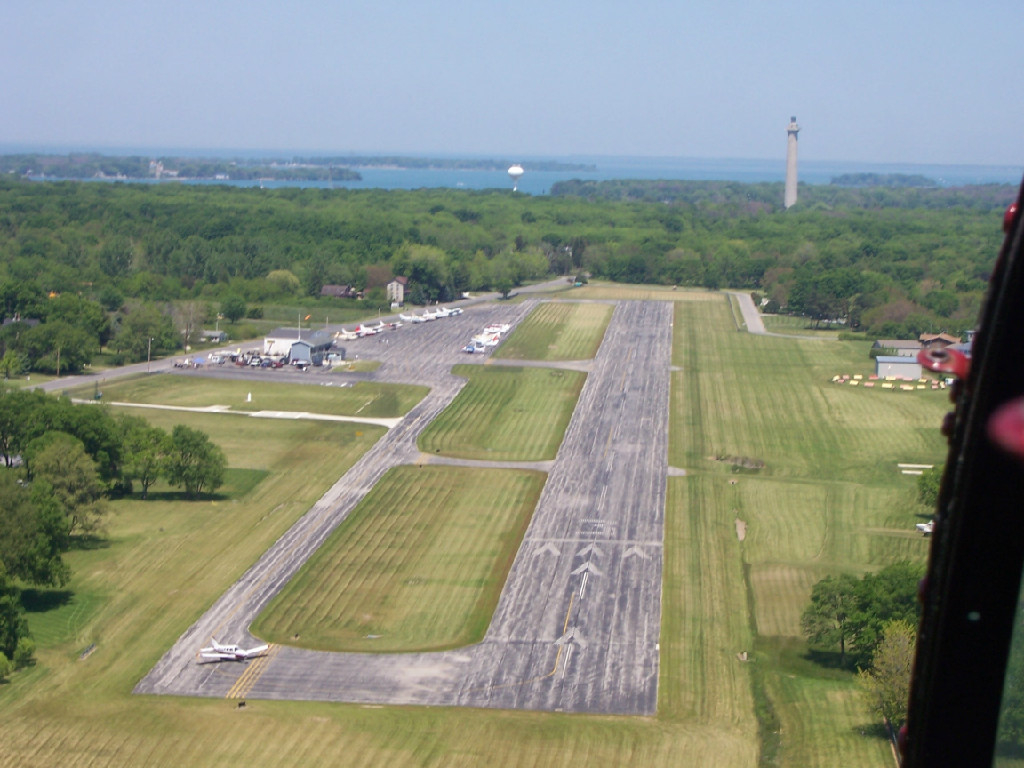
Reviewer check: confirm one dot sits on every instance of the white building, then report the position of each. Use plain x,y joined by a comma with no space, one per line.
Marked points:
901,367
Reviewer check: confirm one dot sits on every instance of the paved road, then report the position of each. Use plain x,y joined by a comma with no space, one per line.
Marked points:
577,624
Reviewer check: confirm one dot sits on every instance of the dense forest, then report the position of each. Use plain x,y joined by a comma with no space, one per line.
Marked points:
126,264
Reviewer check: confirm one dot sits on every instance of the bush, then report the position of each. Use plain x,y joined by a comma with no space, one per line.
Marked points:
6,667
24,652
255,312
243,331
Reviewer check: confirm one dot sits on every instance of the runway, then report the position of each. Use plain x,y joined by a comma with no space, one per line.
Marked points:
577,625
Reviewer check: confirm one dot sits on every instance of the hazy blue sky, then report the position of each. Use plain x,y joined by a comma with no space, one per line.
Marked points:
868,80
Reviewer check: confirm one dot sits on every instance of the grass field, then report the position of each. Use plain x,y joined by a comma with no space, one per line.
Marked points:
505,414
360,399
558,331
828,498
417,566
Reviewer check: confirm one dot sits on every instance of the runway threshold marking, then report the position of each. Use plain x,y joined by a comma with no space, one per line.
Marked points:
252,674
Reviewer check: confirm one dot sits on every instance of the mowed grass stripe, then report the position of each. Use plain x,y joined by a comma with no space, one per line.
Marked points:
505,414
558,331
418,565
828,498
369,399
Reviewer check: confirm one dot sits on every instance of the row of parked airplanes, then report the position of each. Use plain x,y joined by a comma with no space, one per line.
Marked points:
489,338
363,329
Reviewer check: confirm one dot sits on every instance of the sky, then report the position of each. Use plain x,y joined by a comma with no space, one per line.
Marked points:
878,81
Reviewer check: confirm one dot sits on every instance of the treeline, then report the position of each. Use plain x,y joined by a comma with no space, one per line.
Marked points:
62,461
92,166
893,262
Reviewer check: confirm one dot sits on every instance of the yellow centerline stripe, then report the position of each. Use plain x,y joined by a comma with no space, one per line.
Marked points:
252,674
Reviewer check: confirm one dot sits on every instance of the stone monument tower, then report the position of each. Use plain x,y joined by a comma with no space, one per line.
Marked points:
791,130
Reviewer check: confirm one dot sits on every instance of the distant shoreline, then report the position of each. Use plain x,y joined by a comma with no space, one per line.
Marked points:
91,165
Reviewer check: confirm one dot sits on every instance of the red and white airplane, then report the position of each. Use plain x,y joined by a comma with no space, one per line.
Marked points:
219,652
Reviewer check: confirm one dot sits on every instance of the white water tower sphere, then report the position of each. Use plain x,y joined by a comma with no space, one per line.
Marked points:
515,172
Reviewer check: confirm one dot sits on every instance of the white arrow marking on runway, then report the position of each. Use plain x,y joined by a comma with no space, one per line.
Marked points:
583,584
635,551
590,548
549,547
588,567
572,636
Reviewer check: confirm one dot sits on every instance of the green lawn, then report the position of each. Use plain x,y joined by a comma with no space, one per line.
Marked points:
558,331
828,497
361,399
418,565
505,414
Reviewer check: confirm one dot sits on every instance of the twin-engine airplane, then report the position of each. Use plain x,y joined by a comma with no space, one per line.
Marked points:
219,652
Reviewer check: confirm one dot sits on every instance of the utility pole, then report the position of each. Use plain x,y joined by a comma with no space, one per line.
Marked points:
149,350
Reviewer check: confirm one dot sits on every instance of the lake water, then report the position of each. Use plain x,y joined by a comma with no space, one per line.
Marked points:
695,169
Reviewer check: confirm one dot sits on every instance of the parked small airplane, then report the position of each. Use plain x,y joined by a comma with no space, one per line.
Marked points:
346,335
369,330
413,318
220,652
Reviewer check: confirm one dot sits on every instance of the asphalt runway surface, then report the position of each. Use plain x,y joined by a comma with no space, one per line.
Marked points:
577,624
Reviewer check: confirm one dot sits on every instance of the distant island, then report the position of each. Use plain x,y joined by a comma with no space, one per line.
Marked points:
443,164
136,167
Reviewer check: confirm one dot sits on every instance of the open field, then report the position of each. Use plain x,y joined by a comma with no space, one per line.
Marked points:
829,497
370,399
505,414
417,566
558,331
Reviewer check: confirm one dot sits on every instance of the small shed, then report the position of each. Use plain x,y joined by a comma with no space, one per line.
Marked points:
312,349
900,367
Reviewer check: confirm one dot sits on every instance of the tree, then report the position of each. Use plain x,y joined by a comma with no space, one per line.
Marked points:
852,613
145,448
928,486
886,685
60,460
233,308
6,666
193,461
12,623
825,620
33,533
189,317
16,407
58,346
885,596
12,363
145,331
